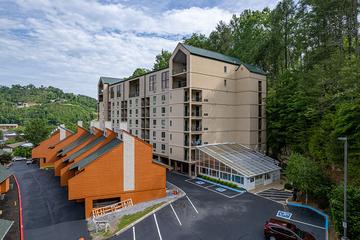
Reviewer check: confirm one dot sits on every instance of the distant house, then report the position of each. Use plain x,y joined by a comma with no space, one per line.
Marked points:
8,126
10,147
4,179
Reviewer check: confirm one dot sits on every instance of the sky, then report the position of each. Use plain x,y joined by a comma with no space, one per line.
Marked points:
70,44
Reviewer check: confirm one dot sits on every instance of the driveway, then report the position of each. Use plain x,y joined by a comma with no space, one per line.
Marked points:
47,214
207,214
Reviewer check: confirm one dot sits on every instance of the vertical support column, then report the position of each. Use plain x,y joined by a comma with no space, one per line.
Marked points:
88,207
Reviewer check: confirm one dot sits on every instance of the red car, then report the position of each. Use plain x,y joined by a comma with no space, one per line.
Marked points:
275,229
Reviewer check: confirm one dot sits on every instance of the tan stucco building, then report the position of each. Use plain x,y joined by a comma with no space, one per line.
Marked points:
202,98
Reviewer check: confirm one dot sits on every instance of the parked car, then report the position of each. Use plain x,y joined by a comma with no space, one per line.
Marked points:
276,229
18,159
29,161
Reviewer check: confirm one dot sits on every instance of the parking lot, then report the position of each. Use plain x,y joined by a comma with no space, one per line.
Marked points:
208,214
47,214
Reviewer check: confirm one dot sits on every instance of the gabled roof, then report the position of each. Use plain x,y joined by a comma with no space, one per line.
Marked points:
84,149
246,161
4,173
95,155
15,145
110,80
75,143
5,226
221,57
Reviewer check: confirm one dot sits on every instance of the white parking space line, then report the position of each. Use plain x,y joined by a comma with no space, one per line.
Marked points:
210,189
210,186
175,214
157,226
134,236
309,224
192,204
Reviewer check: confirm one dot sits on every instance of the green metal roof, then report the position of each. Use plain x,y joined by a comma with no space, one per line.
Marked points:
110,80
95,155
75,143
221,57
4,173
84,149
5,226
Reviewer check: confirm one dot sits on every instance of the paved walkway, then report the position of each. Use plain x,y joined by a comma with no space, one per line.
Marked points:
276,195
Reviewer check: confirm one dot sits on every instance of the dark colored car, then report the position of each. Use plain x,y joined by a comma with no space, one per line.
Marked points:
276,229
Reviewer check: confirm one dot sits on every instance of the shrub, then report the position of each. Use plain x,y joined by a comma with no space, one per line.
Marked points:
288,186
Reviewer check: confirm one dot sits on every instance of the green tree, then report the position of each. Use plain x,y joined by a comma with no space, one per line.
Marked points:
139,71
1,134
303,174
36,131
337,210
22,152
162,60
5,158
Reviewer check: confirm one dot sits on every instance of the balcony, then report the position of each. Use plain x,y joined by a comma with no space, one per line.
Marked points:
196,128
196,142
179,70
196,113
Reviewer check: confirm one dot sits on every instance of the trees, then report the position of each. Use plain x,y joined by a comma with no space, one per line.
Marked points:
139,71
303,174
5,158
22,152
337,207
36,131
162,60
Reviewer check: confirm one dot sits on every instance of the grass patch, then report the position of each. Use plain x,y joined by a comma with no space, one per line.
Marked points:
215,180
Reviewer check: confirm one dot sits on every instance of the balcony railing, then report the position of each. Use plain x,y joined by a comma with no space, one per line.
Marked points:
178,71
196,113
186,128
196,128
196,142
196,99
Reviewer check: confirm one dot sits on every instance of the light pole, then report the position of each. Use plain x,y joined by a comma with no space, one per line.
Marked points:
345,185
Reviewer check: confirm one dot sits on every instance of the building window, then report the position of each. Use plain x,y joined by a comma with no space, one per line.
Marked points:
163,147
118,91
267,176
136,101
136,122
136,132
154,110
170,123
130,111
163,122
225,69
170,150
163,110
154,122
163,98
152,83
154,145
154,134
163,134
136,111
170,109
112,92
154,100
259,86
225,83
165,80
170,136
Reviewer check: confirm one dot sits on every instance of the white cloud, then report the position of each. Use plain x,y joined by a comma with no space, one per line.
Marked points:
69,44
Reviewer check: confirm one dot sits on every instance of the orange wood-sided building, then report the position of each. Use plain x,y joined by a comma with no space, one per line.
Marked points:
4,179
117,171
100,167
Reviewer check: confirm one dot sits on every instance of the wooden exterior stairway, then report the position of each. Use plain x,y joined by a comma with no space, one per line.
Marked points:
96,212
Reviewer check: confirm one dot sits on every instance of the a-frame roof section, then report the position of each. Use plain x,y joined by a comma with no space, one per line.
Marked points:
93,156
84,149
4,173
222,57
75,143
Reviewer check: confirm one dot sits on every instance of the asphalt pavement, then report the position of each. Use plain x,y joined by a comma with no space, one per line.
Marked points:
47,214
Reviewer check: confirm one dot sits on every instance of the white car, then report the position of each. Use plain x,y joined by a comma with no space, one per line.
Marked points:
18,159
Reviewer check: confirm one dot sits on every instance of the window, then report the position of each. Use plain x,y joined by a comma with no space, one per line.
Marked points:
225,69
165,80
154,145
170,109
154,100
163,122
225,83
136,132
163,147
267,176
112,92
163,134
163,97
130,102
118,91
206,129
154,110
117,121
170,123
136,111
252,179
259,86
170,136
130,111
154,122
136,101
163,110
130,121
152,83
170,150
154,134
136,122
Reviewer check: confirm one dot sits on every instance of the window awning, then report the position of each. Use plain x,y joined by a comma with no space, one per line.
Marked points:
247,162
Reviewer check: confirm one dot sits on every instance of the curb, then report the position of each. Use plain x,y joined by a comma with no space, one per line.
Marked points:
20,210
150,213
317,211
223,186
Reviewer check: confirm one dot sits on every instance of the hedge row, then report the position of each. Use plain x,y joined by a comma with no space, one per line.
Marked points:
228,184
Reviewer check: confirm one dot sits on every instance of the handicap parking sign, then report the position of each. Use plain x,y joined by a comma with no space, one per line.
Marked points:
219,189
282,214
200,182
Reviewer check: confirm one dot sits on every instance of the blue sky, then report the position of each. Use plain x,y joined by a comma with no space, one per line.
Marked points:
70,44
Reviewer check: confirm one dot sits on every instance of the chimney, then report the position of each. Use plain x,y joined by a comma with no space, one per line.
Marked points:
80,123
62,132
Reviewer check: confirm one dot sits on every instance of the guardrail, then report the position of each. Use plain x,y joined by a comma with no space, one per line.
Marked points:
112,208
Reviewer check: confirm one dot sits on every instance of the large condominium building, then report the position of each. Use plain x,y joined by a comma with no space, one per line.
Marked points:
203,98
